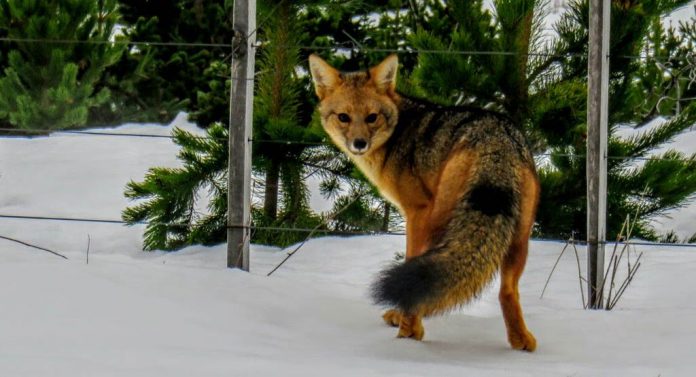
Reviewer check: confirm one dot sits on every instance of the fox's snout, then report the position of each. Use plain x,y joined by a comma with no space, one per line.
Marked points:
358,145
358,138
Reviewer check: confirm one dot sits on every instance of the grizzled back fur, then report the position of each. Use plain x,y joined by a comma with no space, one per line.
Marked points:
464,256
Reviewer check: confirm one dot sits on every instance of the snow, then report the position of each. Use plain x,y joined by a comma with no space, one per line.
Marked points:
131,313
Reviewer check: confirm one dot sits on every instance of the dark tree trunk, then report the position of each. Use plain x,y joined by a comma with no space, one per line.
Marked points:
270,200
385,218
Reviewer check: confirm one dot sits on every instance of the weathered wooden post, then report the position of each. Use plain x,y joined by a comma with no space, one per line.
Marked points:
241,108
597,134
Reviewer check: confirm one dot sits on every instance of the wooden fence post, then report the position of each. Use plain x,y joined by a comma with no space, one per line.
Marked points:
597,134
241,110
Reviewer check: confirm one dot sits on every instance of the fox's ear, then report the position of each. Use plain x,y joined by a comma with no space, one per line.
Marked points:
326,78
384,74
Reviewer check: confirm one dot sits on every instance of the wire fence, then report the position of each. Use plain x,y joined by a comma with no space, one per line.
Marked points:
115,42
307,230
690,60
44,132
408,50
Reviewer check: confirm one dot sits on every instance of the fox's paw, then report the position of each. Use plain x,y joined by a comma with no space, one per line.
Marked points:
392,317
411,327
523,341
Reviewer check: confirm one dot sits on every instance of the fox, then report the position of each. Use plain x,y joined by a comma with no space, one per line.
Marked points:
464,180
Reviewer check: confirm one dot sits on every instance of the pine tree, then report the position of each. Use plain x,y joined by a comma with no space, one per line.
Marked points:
358,206
539,84
278,116
282,126
172,194
542,87
638,88
53,85
172,78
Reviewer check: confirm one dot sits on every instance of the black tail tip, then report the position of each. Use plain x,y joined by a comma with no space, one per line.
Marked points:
405,285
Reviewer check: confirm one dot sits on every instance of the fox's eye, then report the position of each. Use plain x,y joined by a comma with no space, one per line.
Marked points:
343,117
371,118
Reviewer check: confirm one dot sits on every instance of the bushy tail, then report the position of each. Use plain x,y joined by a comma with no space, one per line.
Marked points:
466,257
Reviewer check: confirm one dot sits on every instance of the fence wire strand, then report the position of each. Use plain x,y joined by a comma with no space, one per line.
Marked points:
45,132
338,46
306,230
114,42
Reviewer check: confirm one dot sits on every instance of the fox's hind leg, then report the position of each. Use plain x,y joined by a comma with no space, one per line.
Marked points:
513,264
392,317
518,335
425,222
409,326
418,232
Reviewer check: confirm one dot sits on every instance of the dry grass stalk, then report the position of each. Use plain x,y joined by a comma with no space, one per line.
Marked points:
613,267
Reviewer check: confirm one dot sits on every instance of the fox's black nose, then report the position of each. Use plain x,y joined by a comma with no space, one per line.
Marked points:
359,144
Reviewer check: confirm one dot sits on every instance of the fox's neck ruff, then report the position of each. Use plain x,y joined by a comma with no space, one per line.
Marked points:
373,166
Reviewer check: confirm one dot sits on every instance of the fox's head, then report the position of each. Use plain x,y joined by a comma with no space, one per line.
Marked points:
358,109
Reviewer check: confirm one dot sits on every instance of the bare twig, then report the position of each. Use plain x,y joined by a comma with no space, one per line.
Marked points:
624,285
34,246
569,242
89,242
554,268
615,260
580,277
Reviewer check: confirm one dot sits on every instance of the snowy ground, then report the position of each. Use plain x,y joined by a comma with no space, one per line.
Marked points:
129,313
